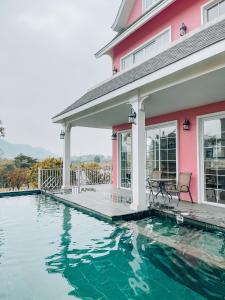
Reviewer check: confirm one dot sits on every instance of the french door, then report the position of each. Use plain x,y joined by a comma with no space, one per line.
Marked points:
125,163
212,159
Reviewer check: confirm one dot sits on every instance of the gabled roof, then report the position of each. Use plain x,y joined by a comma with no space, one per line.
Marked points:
123,15
129,29
185,47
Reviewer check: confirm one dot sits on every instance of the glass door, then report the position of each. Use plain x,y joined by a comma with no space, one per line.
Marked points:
213,153
125,159
162,150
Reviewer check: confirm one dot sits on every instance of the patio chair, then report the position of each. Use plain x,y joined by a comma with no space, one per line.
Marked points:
153,185
183,186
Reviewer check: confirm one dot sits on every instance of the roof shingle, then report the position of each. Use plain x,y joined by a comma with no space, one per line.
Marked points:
191,45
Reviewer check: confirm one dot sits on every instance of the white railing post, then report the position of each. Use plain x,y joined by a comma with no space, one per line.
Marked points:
39,178
78,179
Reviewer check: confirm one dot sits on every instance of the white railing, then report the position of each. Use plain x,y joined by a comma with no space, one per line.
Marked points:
52,179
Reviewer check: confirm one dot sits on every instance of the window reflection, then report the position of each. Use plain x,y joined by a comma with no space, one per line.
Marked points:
125,159
214,160
161,151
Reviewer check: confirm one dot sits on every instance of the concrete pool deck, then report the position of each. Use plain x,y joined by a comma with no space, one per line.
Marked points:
114,205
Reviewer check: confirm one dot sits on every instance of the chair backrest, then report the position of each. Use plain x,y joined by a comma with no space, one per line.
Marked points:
156,174
184,181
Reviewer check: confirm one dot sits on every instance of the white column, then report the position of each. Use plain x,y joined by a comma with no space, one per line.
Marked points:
66,158
139,159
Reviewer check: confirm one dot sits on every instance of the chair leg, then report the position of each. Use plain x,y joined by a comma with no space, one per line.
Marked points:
178,194
190,196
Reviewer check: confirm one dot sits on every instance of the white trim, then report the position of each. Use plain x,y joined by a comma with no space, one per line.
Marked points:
152,13
195,58
200,156
123,15
204,9
132,52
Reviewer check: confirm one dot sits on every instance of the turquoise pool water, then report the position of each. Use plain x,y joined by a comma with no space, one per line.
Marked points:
49,251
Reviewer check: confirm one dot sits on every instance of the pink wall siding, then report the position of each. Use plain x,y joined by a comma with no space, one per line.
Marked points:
187,140
187,11
136,12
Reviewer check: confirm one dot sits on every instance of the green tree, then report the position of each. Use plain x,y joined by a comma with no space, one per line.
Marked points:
2,129
24,162
48,163
97,159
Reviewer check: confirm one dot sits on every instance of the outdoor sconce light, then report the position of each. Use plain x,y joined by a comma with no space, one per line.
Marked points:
115,70
183,29
132,117
62,135
186,124
114,136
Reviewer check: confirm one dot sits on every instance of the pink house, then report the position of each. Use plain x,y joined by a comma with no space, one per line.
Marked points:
168,74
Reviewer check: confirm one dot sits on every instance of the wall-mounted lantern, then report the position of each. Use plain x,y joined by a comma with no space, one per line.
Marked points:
62,135
115,71
183,29
114,136
186,124
132,117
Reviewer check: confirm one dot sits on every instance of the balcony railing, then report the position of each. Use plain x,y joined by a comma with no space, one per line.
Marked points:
52,179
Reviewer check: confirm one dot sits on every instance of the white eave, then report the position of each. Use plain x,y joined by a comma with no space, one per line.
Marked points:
132,28
123,15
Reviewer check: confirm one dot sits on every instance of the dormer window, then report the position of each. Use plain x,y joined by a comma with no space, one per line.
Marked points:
213,10
148,4
144,52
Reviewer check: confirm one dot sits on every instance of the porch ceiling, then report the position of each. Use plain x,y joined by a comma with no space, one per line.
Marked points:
209,88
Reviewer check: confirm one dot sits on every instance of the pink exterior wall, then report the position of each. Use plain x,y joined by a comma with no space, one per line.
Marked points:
136,12
187,11
187,141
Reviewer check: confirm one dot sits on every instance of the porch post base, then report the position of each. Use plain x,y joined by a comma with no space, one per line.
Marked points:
66,187
137,207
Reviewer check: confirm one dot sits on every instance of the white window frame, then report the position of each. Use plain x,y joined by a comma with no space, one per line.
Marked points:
204,10
119,160
144,9
167,124
200,156
143,46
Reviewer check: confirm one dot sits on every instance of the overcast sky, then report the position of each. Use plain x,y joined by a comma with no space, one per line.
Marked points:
47,62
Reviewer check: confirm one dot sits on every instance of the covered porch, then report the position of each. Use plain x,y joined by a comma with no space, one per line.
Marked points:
112,204
186,81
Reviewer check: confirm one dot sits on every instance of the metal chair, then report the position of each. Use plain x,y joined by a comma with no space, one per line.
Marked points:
153,185
183,186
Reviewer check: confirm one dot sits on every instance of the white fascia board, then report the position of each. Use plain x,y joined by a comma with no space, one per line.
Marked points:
123,15
164,72
152,13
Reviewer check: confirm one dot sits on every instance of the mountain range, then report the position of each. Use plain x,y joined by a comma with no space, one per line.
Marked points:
9,150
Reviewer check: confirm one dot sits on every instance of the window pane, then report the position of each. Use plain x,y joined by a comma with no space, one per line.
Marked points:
147,4
162,40
125,159
164,155
222,8
150,49
172,154
139,56
164,141
212,13
127,62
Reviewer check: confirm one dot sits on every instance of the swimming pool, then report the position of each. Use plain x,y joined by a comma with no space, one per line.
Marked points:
51,251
